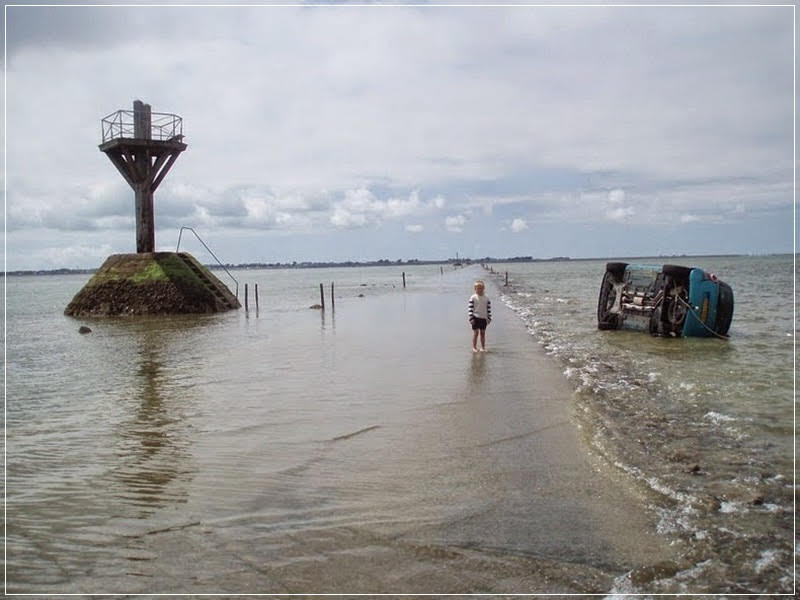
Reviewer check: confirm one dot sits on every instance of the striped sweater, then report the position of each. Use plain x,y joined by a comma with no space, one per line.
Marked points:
480,307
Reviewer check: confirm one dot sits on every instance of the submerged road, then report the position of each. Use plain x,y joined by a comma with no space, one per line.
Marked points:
370,451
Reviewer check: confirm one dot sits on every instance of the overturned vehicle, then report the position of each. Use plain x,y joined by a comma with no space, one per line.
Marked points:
664,300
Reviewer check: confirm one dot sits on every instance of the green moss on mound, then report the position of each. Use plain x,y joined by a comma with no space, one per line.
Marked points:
143,268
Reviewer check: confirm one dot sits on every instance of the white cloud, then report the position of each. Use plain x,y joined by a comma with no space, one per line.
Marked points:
616,196
691,116
689,218
455,223
342,217
414,228
518,225
54,257
361,207
620,213
398,207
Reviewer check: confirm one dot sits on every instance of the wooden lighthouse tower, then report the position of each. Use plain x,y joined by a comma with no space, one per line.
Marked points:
143,146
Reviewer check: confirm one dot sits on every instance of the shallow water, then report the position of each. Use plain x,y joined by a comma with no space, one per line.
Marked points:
296,450
362,449
706,423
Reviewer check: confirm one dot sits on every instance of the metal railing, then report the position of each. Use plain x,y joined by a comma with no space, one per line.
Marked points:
199,239
163,126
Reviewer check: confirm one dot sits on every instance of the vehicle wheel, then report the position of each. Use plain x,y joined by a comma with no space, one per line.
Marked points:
676,272
617,268
724,309
607,298
673,311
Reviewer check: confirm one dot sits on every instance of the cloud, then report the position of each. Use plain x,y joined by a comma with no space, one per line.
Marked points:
455,223
617,209
616,196
76,255
620,213
414,228
361,207
518,225
347,126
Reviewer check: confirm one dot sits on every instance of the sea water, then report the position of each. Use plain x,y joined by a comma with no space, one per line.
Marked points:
121,441
706,423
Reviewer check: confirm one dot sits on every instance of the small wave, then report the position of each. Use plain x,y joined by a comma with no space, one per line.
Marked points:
718,418
768,558
732,507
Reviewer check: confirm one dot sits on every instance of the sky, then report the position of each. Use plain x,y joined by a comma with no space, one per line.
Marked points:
364,132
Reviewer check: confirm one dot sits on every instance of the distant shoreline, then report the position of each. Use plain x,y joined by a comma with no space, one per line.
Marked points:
398,263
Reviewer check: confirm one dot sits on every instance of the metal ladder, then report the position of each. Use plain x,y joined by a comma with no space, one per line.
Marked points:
207,283
194,268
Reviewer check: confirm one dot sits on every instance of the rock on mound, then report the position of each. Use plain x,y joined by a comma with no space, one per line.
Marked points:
153,283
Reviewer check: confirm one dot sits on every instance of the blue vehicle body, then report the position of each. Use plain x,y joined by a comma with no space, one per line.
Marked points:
667,300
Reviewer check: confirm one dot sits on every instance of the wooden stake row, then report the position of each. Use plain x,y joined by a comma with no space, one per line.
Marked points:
255,294
321,295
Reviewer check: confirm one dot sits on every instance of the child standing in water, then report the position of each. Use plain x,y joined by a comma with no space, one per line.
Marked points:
480,315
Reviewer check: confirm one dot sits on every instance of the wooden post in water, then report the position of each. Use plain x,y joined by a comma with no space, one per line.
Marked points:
333,300
404,279
506,278
256,293
245,297
441,270
322,296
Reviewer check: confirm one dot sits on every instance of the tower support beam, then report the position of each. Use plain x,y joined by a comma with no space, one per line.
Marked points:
145,223
143,162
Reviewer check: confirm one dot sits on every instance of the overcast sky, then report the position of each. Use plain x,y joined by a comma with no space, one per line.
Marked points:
360,133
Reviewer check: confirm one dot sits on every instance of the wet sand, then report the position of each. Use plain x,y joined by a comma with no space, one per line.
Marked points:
418,467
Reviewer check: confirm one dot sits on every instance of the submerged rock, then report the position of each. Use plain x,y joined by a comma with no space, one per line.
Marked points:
84,329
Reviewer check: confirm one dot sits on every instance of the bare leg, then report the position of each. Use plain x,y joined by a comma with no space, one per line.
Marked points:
474,339
483,339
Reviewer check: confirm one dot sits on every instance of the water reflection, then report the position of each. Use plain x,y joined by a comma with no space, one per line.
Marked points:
324,322
153,444
477,372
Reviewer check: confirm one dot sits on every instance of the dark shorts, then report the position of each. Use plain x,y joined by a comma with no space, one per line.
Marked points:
478,324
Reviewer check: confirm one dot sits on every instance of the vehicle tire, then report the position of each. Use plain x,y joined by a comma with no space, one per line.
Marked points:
617,268
673,311
676,272
605,319
724,309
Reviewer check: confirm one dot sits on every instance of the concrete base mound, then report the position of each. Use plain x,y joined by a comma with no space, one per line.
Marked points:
152,283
